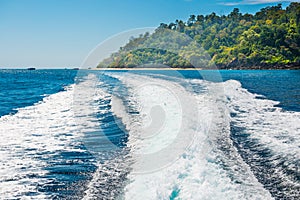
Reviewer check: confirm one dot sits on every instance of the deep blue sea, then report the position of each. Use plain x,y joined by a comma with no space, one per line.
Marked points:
21,88
68,134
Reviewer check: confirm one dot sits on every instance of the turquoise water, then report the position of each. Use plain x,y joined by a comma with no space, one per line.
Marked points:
72,134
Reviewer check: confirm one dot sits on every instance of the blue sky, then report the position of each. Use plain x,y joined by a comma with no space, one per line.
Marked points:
61,33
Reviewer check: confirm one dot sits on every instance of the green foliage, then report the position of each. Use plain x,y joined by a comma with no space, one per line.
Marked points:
271,37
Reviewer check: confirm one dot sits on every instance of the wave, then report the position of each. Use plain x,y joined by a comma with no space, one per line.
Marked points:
30,137
268,139
209,167
124,135
47,150
107,143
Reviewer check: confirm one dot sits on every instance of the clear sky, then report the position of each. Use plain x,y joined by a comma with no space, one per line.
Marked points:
61,33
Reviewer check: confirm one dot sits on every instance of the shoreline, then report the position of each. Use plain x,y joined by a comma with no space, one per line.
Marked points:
155,69
144,69
186,69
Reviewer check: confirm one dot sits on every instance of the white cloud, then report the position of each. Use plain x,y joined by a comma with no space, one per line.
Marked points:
254,2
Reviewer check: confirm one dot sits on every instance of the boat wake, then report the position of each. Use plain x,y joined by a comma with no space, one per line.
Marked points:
131,136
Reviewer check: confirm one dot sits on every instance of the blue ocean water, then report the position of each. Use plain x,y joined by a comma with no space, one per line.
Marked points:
278,85
68,135
21,88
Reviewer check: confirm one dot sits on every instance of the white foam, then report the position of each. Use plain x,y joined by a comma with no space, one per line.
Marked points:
199,172
37,132
200,167
44,127
277,129
273,129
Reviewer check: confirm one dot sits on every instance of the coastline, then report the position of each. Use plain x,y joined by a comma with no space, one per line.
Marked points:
193,69
141,68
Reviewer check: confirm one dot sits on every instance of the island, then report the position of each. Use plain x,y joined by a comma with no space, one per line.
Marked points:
268,39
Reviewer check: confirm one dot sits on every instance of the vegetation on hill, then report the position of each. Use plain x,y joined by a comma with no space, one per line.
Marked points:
268,39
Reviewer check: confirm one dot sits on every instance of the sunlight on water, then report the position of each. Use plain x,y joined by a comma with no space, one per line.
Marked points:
121,135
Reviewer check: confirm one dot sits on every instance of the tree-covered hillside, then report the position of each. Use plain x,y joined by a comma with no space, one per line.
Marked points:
268,39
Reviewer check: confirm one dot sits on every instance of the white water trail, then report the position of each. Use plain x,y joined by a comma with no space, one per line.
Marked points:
279,130
32,132
35,133
203,170
270,139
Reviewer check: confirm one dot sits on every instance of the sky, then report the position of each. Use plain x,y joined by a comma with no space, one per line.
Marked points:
62,33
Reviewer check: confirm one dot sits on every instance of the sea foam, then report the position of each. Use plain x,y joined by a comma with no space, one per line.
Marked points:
209,167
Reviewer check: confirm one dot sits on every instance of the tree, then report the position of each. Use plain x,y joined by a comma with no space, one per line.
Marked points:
235,14
191,20
200,18
271,37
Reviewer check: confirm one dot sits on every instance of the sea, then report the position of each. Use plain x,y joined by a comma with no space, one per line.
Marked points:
160,134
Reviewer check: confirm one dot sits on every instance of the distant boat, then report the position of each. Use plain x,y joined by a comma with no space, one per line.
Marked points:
75,68
31,68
